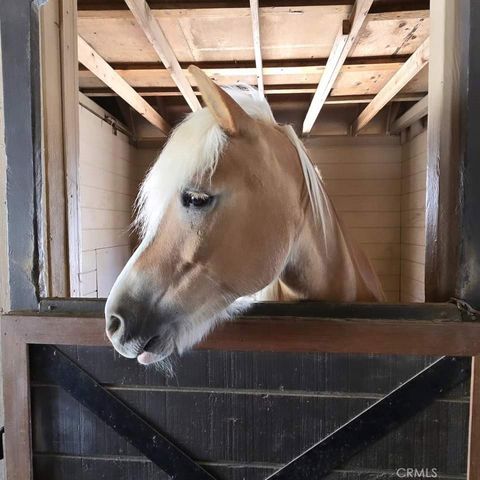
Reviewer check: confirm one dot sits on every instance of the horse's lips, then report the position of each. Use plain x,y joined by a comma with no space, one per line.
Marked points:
149,357
146,358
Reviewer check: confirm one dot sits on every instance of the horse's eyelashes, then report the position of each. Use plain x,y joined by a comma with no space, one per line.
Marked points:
194,199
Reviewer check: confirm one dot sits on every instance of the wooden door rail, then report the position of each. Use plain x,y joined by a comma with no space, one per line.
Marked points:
423,329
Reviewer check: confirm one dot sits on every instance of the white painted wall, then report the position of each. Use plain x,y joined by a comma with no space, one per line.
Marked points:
363,179
414,166
110,171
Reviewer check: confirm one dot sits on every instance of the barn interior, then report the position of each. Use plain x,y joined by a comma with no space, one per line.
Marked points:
352,82
360,386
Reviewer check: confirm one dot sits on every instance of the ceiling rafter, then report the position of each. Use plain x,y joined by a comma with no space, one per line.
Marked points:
344,41
88,57
154,33
417,61
413,114
257,46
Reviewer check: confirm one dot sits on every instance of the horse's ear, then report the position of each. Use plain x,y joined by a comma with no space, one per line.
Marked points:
229,115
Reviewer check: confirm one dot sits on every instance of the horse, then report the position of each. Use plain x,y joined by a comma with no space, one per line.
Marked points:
233,211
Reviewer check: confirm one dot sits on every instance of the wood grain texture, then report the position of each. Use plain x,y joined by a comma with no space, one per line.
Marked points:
353,78
344,41
414,165
282,334
473,472
364,183
444,150
159,42
268,429
412,115
292,399
257,45
56,228
402,77
16,390
97,65
69,62
287,33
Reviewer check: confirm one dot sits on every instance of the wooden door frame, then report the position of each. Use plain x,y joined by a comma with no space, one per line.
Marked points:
60,116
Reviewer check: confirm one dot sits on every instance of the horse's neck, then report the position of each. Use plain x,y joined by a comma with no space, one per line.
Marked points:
325,264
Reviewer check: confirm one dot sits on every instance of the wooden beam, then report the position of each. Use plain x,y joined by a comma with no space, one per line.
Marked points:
142,13
269,90
393,331
257,45
446,148
380,6
344,42
17,411
402,77
412,115
98,66
57,264
71,141
473,466
357,78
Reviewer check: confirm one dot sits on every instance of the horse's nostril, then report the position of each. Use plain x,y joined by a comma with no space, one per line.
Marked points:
114,324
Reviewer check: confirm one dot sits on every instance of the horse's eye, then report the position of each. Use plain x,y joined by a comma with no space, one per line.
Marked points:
194,199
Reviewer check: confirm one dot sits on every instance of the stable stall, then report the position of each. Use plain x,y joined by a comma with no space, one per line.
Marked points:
380,92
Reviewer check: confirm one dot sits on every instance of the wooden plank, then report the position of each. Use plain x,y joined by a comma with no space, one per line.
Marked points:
265,373
473,463
16,398
97,65
380,6
340,50
4,262
154,33
293,74
288,33
56,229
257,45
403,76
266,425
412,115
69,60
281,334
444,149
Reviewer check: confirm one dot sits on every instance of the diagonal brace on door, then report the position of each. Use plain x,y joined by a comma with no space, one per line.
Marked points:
333,451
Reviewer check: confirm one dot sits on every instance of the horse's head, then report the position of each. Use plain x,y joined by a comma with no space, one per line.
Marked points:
218,214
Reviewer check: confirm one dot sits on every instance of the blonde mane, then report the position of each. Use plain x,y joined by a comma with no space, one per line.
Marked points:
194,149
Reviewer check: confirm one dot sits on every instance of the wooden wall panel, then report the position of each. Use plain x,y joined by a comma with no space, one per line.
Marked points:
363,178
414,164
243,414
110,172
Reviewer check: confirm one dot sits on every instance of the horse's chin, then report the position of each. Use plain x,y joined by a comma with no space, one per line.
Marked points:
188,335
194,331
